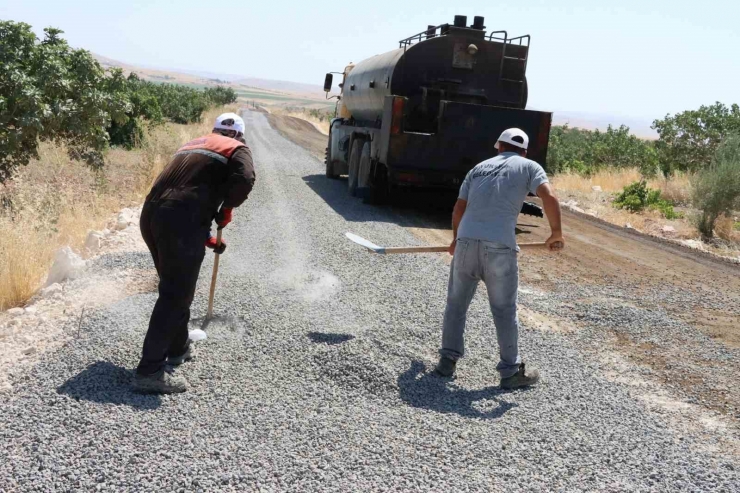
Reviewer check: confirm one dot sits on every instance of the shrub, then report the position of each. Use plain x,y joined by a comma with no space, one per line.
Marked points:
51,92
688,140
586,152
637,196
220,96
717,188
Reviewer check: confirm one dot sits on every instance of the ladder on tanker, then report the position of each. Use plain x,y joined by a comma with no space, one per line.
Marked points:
513,67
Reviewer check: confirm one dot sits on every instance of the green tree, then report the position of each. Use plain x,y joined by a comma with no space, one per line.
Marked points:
717,187
49,91
220,95
688,140
585,151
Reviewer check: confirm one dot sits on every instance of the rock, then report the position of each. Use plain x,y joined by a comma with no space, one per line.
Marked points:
92,243
31,310
67,265
125,217
52,290
592,212
628,226
16,312
29,350
596,188
668,230
571,203
697,244
16,322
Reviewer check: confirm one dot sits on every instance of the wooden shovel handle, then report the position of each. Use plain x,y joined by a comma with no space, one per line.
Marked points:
441,249
209,314
428,249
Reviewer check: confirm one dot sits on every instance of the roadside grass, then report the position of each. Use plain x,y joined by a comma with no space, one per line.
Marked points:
55,201
676,189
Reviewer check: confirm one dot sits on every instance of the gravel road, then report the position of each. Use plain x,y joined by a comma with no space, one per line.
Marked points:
316,377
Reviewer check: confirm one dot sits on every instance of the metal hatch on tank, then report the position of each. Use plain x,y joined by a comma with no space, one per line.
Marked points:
423,114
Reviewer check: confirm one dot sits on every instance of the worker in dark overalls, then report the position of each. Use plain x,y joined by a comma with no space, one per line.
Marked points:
205,180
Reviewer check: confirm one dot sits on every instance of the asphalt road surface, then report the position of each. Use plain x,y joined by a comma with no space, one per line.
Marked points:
316,375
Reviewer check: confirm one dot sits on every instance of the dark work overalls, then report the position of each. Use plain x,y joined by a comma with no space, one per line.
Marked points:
175,221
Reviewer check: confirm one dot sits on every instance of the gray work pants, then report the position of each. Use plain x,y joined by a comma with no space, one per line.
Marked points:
496,265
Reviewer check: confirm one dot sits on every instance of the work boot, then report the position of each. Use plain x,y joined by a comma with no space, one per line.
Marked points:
178,360
521,378
445,367
162,382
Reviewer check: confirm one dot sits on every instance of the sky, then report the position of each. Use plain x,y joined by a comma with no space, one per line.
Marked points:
635,59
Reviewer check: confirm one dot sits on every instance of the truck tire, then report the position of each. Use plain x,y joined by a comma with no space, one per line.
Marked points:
329,165
354,166
379,191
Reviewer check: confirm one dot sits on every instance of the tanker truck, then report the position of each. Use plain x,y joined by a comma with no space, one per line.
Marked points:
425,113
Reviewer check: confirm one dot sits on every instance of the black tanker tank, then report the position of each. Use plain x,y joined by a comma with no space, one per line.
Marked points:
425,113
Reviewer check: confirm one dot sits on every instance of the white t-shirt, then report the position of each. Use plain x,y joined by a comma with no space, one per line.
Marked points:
495,191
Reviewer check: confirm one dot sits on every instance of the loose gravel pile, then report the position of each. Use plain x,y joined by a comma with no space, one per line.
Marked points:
317,377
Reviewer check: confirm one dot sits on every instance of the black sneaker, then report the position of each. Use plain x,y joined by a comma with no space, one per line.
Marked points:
162,382
445,367
521,378
178,360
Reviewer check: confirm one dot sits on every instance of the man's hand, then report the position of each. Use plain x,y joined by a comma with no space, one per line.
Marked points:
211,243
552,210
555,242
223,217
451,250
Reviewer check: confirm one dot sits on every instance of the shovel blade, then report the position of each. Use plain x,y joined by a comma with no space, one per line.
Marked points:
366,243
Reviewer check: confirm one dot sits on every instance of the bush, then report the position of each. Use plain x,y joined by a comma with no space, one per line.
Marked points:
586,152
688,140
49,91
717,188
220,96
636,196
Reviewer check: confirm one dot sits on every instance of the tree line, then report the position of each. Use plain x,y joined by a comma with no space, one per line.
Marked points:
704,143
52,92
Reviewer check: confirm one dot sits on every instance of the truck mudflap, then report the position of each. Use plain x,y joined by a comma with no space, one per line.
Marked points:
466,135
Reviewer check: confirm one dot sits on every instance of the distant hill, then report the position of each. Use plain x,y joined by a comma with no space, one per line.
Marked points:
269,92
593,121
250,89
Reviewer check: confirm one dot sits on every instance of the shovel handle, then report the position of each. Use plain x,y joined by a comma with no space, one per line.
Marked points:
442,249
209,314
428,249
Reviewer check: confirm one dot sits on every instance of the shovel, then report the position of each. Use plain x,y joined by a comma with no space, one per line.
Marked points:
425,249
209,313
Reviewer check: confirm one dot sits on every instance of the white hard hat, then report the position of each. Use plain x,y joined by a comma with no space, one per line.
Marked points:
230,121
515,137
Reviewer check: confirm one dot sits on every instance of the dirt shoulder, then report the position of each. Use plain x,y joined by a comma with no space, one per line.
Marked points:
302,132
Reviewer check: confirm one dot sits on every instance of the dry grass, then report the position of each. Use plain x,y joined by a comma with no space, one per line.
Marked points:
55,201
676,189
580,189
724,228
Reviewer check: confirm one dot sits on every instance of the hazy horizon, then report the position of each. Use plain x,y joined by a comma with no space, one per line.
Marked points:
635,61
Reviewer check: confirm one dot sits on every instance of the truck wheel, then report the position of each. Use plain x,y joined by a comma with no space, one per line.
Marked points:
354,166
329,165
379,191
